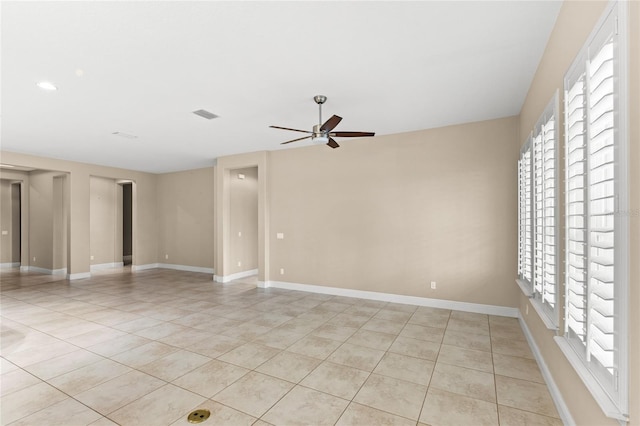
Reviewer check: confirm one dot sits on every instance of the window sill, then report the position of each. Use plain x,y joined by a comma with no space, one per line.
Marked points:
608,407
525,287
544,315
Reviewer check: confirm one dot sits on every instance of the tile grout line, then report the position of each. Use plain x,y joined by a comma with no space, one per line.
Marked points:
493,365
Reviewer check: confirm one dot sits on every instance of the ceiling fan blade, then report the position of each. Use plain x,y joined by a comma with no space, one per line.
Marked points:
330,123
351,134
286,128
332,143
295,140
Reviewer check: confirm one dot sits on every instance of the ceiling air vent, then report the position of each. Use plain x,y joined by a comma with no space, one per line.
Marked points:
124,135
205,114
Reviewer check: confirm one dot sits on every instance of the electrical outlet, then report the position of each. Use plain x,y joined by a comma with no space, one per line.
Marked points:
92,257
34,258
239,233
433,285
281,271
280,236
166,256
239,263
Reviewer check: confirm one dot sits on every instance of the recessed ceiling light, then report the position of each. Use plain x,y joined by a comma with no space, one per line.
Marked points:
46,85
124,135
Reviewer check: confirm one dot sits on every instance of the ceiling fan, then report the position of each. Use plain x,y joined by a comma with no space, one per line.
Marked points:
322,133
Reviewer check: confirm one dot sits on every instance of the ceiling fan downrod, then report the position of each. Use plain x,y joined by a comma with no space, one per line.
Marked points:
320,99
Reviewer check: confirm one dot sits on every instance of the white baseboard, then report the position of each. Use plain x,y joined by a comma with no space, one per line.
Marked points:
102,266
503,311
186,268
236,276
79,276
61,271
136,268
36,269
561,406
9,265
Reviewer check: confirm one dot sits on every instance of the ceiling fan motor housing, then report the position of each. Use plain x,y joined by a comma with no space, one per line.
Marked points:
319,136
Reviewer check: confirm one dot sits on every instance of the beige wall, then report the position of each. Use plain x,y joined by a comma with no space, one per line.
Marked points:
243,199
103,219
393,213
47,220
41,219
186,218
60,204
573,26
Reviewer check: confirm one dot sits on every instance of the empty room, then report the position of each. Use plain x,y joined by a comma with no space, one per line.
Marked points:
320,213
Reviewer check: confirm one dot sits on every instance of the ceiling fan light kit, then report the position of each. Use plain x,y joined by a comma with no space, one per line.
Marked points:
320,139
322,132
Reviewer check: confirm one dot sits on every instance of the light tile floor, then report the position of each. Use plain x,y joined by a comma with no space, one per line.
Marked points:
148,348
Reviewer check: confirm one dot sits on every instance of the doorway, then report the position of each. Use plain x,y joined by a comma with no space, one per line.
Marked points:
127,223
243,222
111,213
223,233
16,223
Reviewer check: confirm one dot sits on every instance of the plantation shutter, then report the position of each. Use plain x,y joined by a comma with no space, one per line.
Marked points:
601,209
576,183
525,216
591,202
538,202
544,198
528,219
549,213
520,220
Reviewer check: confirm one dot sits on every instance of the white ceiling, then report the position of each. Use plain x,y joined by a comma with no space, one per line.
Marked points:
142,67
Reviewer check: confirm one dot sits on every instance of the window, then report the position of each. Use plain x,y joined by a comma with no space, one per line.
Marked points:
525,220
596,234
538,216
545,215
